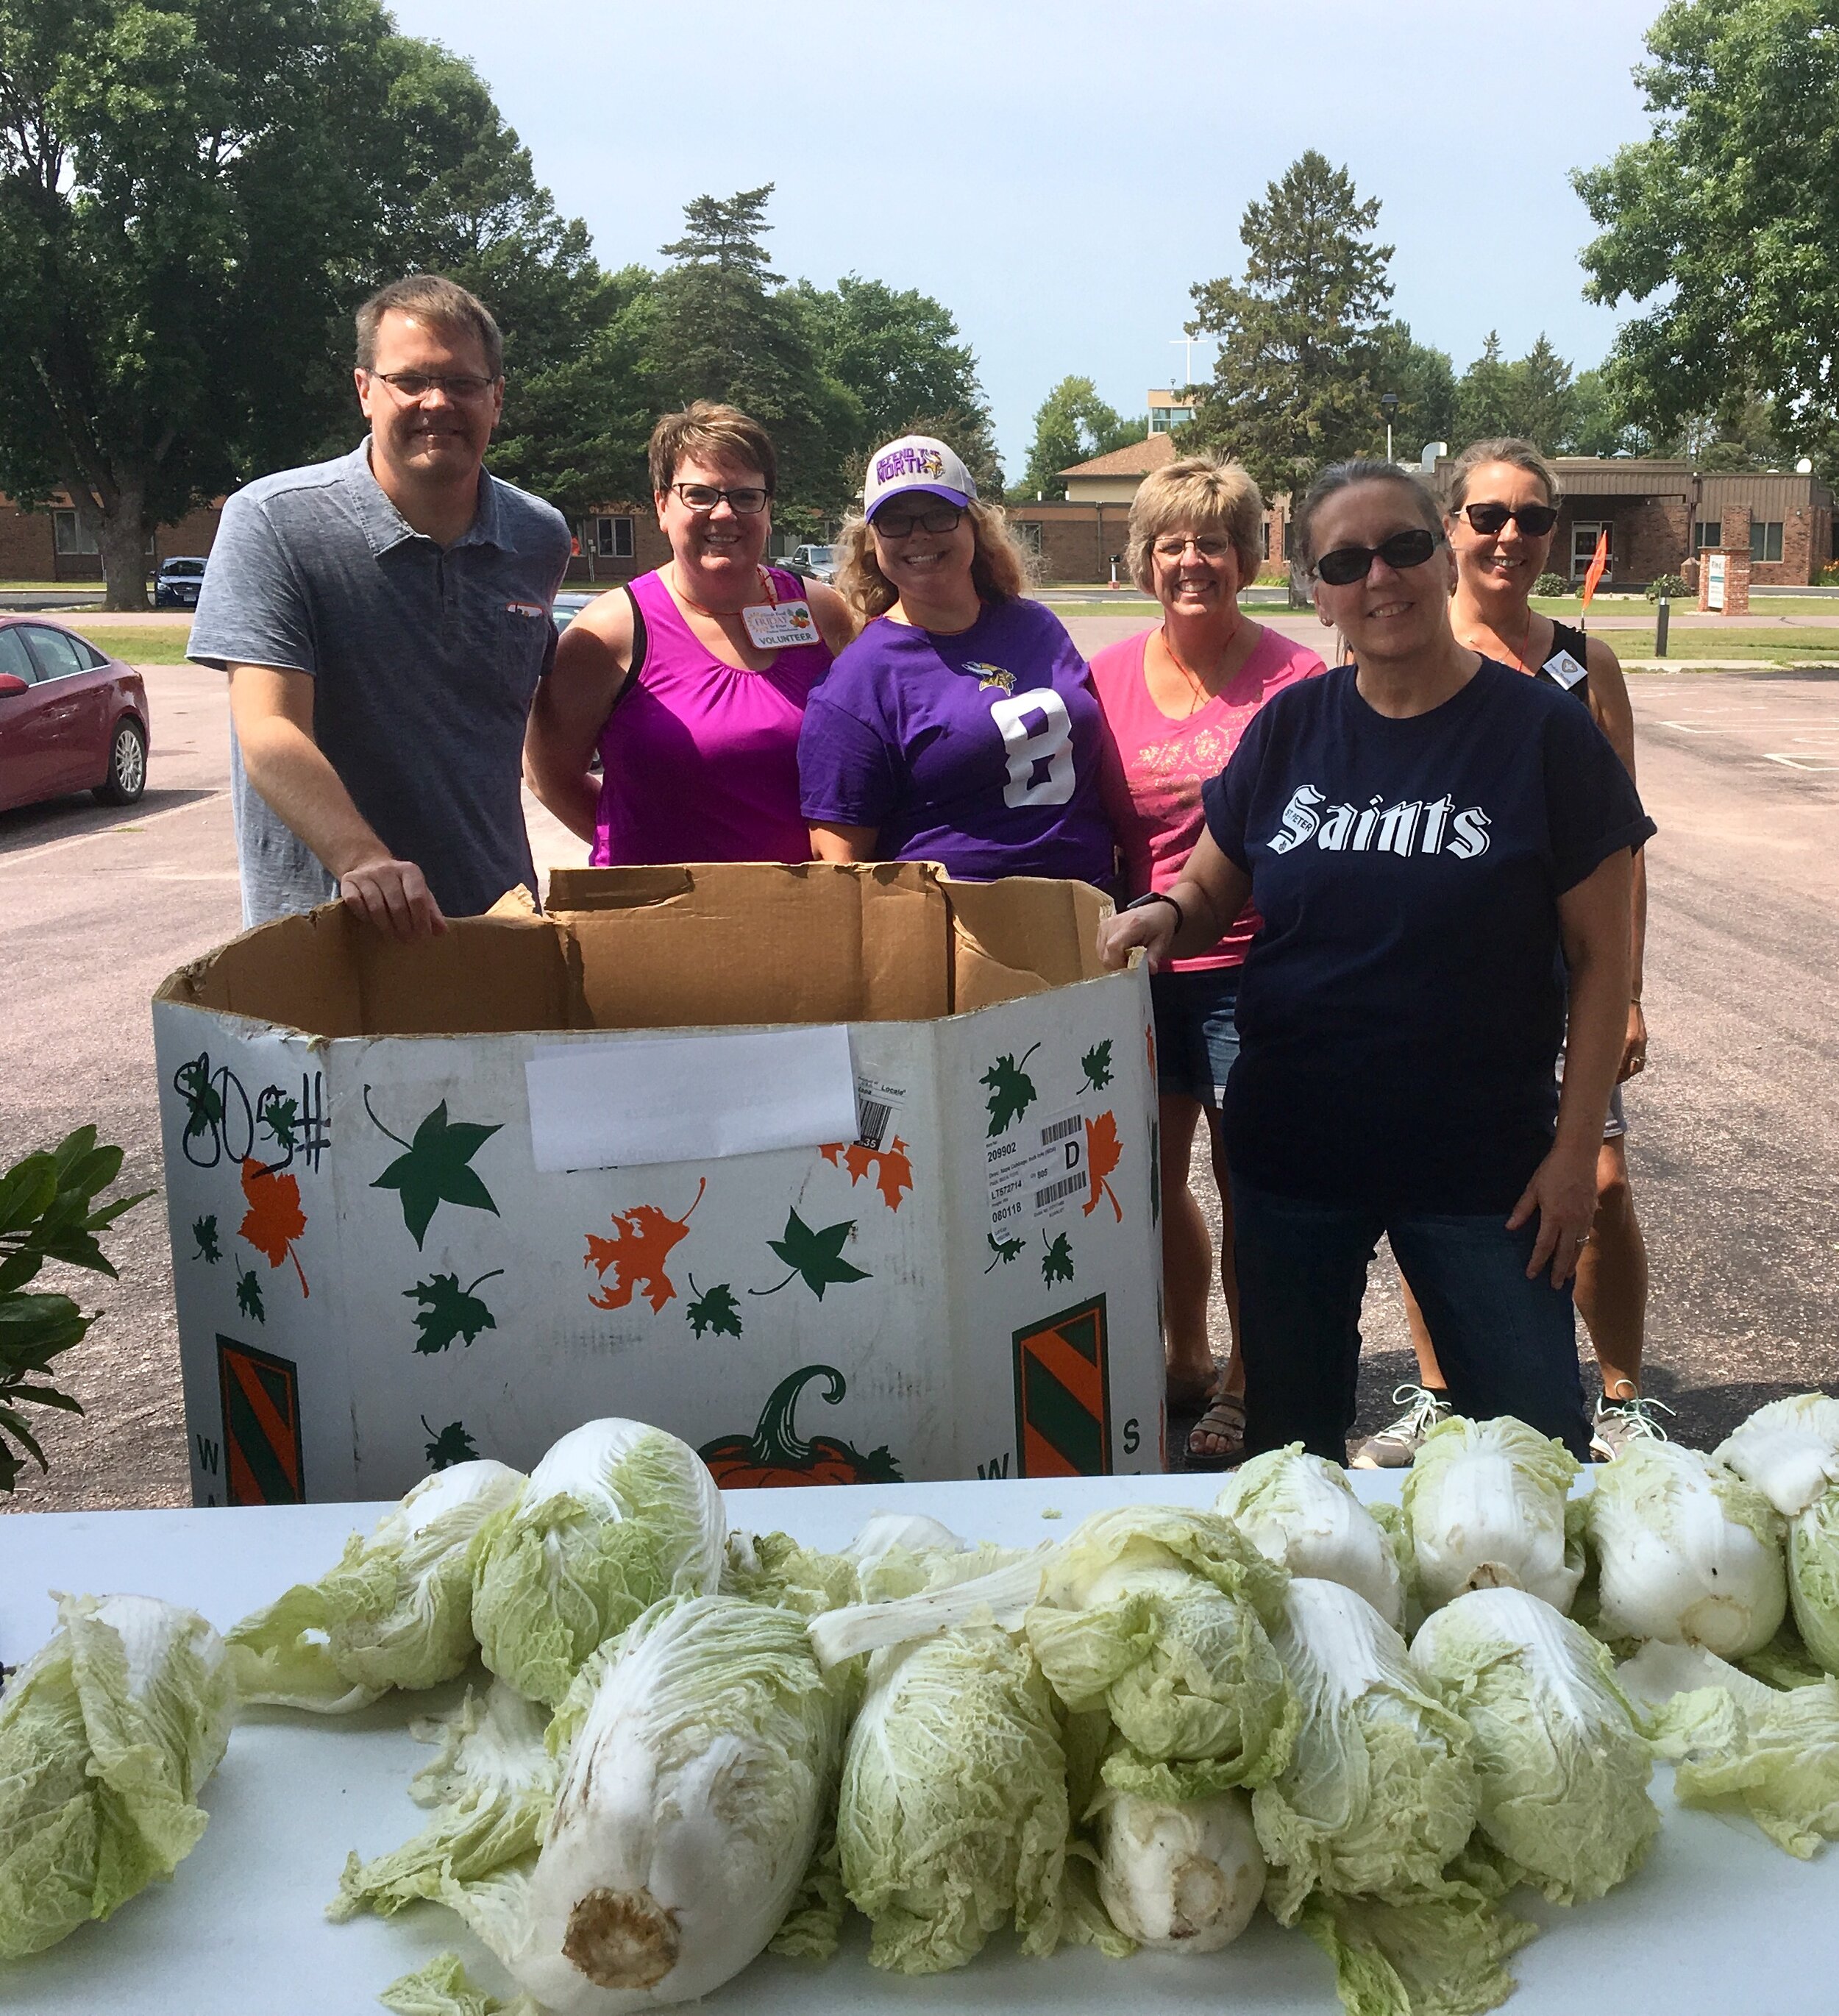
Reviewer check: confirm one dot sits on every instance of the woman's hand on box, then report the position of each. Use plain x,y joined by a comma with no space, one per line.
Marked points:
1153,927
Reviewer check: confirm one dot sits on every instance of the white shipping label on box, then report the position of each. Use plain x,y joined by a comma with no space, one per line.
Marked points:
604,1106
1037,1172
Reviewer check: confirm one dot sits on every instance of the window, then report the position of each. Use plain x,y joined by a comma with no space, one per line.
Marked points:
15,658
1165,420
58,652
1028,532
1765,539
611,538
69,535
1265,536
1706,532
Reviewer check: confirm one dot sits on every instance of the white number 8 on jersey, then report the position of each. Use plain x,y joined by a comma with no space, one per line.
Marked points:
1049,741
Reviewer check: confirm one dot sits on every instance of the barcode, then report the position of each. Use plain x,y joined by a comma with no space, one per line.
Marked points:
1061,1129
872,1118
1067,1186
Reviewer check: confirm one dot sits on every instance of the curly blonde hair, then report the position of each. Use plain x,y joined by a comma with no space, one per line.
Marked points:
999,565
1200,493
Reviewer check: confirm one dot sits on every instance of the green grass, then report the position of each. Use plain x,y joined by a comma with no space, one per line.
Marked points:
157,644
1766,647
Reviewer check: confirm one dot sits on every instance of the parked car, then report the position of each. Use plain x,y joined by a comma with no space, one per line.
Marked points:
815,562
567,608
70,718
176,584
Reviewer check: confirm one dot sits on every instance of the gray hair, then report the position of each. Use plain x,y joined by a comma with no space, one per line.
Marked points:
1340,476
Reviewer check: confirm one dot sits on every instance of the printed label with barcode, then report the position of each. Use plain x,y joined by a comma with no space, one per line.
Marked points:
876,1101
1037,1172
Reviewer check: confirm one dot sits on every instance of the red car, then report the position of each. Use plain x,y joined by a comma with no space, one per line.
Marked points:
71,719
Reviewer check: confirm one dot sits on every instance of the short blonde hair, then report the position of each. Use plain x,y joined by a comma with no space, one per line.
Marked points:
999,570
711,433
1516,453
1204,492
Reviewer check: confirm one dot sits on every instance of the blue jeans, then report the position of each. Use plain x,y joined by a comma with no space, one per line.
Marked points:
1197,1039
1506,1345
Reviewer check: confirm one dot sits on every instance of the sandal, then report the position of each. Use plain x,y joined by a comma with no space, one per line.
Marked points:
1224,1421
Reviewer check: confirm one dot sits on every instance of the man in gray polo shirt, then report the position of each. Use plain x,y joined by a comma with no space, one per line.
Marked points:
384,619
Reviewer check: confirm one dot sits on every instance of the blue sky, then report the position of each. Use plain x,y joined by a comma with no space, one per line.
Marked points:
1060,174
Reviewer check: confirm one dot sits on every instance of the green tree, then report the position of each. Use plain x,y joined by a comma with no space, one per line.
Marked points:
1423,381
1726,218
1598,426
1534,397
1072,424
1484,395
1292,385
724,328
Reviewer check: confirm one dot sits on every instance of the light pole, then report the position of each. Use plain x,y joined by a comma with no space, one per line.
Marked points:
1388,406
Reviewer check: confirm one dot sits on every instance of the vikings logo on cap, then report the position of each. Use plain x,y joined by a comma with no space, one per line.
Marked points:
916,463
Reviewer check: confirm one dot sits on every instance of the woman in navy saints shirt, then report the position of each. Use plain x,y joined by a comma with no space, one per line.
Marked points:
1435,842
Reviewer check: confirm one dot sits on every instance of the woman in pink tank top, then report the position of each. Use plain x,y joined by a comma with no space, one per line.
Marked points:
1176,701
690,682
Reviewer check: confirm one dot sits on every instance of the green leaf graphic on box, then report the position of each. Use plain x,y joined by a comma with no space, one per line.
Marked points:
1004,1250
1057,1262
204,1104
204,1232
448,1311
813,1256
449,1446
434,1168
1096,1064
249,1295
1012,1091
278,1116
717,1310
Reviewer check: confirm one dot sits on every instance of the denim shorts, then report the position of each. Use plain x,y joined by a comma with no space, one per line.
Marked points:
1615,1123
1196,1038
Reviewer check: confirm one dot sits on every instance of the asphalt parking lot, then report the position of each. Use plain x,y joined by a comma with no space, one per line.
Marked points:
1734,1136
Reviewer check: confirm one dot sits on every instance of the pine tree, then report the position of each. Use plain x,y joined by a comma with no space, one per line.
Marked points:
1293,386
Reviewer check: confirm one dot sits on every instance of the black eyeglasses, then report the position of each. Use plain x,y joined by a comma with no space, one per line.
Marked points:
1347,564
941,517
1533,519
745,502
412,385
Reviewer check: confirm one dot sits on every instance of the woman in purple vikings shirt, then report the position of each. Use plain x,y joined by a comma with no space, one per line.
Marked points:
961,726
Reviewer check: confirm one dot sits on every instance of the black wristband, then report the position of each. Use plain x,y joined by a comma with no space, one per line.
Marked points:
1156,896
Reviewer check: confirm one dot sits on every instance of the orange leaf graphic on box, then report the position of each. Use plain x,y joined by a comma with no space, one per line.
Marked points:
642,1241
1102,1154
891,1169
274,1220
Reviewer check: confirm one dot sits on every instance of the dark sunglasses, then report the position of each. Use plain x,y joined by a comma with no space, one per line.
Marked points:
1348,564
1533,519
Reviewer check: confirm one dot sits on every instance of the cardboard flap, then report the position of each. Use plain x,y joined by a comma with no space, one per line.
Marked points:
717,946
1021,937
297,972
510,969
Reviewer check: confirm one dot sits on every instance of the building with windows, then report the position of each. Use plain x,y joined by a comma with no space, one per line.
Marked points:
1169,410
49,545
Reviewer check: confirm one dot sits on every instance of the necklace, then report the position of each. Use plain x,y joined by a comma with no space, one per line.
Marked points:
1197,685
718,615
1518,655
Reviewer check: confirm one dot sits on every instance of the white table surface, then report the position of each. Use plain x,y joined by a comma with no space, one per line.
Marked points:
1718,1921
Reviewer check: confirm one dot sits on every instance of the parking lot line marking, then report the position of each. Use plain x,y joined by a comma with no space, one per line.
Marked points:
1796,762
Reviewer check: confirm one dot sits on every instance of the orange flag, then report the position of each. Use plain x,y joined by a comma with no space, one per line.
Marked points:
1599,561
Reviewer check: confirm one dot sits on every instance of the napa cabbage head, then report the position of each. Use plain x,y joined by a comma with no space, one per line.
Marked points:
1685,1551
690,1800
1739,1745
1562,1767
1789,1449
953,1819
1181,1876
1158,1616
1813,1577
1380,1792
1301,1511
1486,1507
396,1612
107,1734
616,1516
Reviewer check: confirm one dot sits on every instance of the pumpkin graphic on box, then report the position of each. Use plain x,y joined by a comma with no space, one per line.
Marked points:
774,1454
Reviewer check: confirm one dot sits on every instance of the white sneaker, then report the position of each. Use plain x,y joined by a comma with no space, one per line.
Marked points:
1393,1448
1620,1423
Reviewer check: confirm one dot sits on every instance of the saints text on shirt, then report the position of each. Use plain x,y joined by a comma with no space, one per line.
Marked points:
1412,826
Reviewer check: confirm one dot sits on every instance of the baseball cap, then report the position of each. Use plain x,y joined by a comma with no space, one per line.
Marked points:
915,462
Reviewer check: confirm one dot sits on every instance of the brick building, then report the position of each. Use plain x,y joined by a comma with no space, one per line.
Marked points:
48,545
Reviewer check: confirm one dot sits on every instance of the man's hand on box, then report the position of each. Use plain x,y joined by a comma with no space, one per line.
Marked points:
393,895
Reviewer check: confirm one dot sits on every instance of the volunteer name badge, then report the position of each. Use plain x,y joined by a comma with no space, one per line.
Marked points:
773,627
1565,669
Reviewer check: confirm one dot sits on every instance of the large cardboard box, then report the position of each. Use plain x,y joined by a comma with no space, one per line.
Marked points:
842,1174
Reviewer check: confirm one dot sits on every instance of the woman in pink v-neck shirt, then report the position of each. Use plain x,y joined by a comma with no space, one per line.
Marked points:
1176,701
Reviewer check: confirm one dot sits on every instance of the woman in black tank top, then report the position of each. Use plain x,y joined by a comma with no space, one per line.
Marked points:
1502,514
